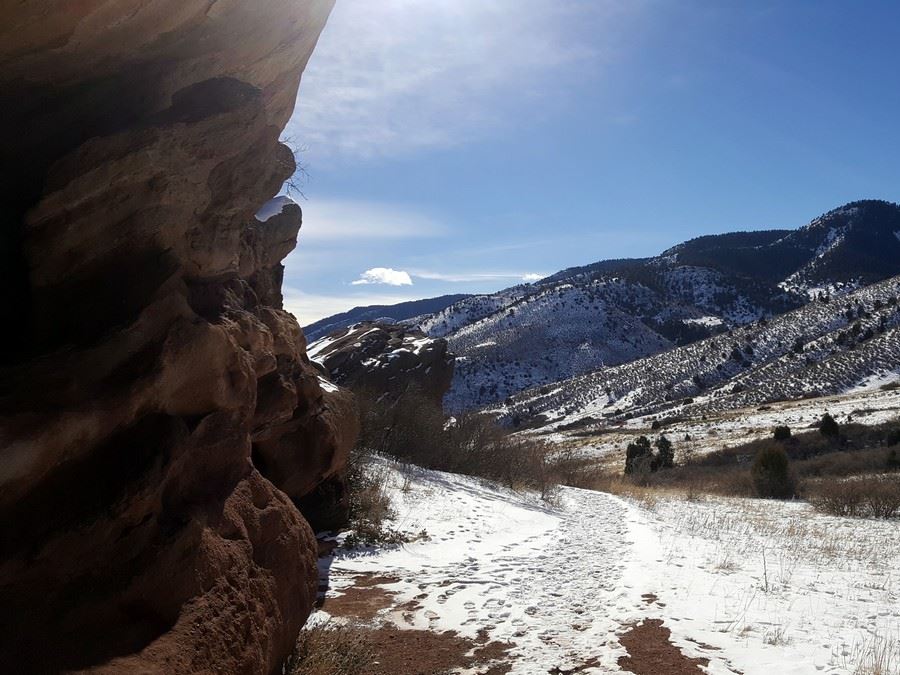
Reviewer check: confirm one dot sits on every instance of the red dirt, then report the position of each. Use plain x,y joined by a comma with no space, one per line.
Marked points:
422,652
651,652
364,600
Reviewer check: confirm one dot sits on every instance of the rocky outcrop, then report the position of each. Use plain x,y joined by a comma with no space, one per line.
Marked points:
159,419
386,358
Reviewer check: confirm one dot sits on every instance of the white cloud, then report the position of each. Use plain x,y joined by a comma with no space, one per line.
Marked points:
335,219
384,275
469,277
395,76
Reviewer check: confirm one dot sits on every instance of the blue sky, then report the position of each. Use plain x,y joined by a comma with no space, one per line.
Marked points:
467,145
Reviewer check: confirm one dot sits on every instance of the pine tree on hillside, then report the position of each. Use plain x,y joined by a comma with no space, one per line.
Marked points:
666,456
829,427
637,454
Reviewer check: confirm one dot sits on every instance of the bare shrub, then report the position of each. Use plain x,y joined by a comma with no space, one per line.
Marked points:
413,429
837,497
883,497
875,496
575,469
331,649
370,503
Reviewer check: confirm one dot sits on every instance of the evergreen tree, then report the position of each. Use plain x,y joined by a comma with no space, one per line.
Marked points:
666,456
771,473
637,454
782,433
829,427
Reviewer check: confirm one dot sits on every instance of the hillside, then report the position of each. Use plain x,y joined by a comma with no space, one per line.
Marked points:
398,312
385,359
613,312
827,347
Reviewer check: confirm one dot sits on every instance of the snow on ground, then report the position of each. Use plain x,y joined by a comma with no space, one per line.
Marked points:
330,387
777,587
753,586
539,576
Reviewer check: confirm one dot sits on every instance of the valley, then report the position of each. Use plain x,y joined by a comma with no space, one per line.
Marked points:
669,570
678,454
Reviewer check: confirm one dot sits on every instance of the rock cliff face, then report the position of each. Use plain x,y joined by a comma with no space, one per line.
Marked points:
159,418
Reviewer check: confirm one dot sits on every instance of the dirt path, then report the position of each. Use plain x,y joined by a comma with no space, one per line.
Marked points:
557,585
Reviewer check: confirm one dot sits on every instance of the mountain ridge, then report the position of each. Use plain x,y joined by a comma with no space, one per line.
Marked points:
397,312
615,311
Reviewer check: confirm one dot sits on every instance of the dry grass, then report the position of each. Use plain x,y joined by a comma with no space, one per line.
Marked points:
861,451
334,648
878,656
871,496
331,649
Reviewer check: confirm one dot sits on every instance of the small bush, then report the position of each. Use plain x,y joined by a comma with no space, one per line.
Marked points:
883,498
837,498
369,504
331,649
771,474
782,433
829,427
640,461
893,461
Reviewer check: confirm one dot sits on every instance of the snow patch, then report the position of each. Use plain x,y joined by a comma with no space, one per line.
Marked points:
330,387
708,321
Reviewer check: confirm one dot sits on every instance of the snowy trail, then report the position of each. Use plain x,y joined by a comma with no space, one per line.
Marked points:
563,583
554,581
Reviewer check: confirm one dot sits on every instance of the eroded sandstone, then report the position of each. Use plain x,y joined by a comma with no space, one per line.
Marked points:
159,418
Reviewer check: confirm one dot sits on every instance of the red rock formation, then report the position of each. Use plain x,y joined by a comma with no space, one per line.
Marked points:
158,415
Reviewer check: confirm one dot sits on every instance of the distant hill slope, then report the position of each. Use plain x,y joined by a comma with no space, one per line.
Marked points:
616,311
826,347
372,357
399,312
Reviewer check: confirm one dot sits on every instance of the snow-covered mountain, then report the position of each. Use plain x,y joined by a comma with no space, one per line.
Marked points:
829,346
389,313
617,311
373,357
